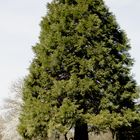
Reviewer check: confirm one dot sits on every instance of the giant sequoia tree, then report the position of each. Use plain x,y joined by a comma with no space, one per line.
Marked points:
80,77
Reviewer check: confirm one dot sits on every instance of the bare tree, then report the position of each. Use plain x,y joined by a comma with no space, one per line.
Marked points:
10,113
1,126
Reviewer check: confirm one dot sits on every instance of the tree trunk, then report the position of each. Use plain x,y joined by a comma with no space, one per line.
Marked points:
66,136
81,131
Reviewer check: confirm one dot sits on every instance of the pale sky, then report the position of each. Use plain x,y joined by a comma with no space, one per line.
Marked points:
19,31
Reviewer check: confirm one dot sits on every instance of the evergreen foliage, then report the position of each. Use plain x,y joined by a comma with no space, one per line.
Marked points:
130,132
81,73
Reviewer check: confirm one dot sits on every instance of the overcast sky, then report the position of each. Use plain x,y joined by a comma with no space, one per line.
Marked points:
19,30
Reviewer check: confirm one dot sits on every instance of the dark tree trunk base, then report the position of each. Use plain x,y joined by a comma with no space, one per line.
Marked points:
81,131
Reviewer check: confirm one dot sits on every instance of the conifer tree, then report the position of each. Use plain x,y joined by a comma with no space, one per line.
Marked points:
80,76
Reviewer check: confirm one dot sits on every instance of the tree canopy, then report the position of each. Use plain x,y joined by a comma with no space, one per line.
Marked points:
80,76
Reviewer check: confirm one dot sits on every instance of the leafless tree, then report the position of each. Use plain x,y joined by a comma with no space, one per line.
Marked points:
10,113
